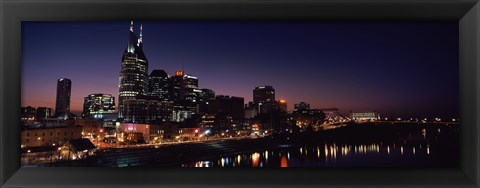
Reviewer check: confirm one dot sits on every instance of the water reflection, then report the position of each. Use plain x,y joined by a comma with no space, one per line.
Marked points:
319,157
410,150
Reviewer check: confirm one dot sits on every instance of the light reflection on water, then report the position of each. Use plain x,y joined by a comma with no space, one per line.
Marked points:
422,150
315,156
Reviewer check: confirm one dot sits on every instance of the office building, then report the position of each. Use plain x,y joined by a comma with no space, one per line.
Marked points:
262,94
43,113
301,106
64,90
250,110
147,110
204,100
264,99
133,78
364,116
28,114
184,87
230,106
158,85
98,105
282,105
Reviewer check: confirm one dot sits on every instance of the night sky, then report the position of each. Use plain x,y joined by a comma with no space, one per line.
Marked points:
405,69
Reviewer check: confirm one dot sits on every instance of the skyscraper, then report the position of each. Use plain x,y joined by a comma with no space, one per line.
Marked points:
64,89
183,86
262,94
133,79
158,85
264,99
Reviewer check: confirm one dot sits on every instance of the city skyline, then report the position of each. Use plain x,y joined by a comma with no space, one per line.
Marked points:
244,57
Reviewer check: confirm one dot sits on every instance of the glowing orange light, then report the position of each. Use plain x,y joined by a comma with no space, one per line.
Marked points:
282,101
255,159
179,73
283,162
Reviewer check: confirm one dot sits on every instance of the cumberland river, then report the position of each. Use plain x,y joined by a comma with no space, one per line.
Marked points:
378,145
383,144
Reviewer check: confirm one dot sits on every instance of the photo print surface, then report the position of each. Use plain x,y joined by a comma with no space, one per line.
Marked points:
240,94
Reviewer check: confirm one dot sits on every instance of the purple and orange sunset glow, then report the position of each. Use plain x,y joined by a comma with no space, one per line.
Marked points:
404,69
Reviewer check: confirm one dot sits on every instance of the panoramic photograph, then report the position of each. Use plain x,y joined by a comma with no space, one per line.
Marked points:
248,94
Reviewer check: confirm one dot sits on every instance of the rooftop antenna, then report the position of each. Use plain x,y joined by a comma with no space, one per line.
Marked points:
131,26
140,39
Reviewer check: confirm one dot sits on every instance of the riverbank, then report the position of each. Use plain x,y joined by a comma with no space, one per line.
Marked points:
183,153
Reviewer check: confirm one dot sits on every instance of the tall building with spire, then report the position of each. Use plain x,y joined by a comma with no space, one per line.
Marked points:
133,79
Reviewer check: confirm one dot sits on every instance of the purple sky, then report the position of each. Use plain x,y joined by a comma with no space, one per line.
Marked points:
400,68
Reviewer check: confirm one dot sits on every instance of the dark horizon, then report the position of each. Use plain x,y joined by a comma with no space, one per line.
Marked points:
406,69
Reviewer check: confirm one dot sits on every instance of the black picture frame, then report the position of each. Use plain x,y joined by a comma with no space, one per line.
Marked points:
12,12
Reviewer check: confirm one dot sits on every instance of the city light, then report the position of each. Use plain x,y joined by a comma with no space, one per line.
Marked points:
152,116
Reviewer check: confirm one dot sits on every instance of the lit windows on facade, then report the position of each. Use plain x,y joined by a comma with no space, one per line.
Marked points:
98,105
301,106
365,116
264,98
133,78
158,85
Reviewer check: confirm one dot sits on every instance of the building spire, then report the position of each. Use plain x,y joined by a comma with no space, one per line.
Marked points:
140,39
131,26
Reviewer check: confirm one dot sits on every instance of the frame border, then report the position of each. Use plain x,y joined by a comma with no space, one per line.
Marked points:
12,12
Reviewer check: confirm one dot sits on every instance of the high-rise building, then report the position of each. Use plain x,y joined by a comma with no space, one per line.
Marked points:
184,87
208,94
64,89
98,105
262,94
205,100
158,85
264,99
176,86
133,79
43,113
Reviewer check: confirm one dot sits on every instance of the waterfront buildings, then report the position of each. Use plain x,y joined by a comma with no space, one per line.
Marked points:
64,90
307,117
364,116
